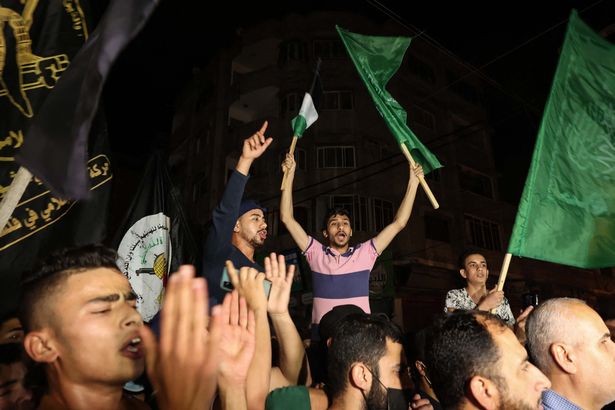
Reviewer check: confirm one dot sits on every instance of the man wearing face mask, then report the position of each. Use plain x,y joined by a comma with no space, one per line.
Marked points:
364,366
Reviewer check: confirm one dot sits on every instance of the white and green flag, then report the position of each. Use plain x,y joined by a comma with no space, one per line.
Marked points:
307,113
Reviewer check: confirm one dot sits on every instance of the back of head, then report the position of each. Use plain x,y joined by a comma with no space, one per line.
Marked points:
548,323
358,338
461,347
46,279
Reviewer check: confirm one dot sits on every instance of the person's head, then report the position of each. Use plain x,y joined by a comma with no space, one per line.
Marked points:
364,361
330,320
80,319
251,227
336,227
473,267
10,328
12,373
572,345
475,361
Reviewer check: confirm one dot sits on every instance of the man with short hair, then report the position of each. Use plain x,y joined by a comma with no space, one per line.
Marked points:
572,345
476,362
82,328
364,366
238,226
340,273
475,295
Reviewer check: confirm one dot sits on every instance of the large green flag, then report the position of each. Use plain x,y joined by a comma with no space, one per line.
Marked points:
377,59
567,211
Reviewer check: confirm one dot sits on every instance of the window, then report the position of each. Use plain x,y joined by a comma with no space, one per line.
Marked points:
356,205
476,182
293,50
335,157
436,228
422,70
483,233
382,213
337,100
300,213
290,104
424,118
463,89
329,49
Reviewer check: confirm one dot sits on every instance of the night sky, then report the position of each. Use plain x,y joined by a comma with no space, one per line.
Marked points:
140,92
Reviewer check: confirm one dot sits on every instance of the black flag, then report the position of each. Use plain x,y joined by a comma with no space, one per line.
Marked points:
155,237
56,148
40,40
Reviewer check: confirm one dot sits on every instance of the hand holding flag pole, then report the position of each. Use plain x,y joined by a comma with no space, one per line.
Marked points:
426,188
291,151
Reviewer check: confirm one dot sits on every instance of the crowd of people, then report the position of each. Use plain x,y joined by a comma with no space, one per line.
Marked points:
224,338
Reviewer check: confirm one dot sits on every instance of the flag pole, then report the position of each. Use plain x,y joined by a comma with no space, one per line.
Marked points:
503,273
13,195
430,195
291,151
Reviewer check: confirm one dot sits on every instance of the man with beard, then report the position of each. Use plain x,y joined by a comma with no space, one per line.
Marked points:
572,345
476,362
364,366
238,226
340,272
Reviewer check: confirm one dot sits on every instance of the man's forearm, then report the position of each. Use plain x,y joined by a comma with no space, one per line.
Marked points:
286,200
257,386
243,165
292,352
405,208
232,396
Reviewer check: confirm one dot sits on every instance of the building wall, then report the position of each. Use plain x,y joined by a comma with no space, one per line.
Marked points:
263,77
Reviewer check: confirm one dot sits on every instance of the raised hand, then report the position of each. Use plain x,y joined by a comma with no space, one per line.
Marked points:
249,284
254,146
289,164
238,340
281,283
416,172
186,347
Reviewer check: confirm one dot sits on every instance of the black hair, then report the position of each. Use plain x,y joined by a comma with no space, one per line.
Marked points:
462,347
51,272
358,338
332,212
461,261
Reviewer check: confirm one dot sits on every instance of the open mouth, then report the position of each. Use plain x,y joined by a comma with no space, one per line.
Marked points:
133,348
262,234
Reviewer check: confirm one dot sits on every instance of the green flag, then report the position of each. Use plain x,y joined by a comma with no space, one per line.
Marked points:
377,59
567,211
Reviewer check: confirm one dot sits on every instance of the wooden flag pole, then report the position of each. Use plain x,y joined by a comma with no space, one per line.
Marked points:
291,151
503,273
13,195
430,195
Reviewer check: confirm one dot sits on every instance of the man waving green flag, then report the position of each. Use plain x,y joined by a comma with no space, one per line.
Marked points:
567,211
377,59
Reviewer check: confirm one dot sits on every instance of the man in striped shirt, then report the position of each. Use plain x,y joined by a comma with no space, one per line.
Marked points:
340,272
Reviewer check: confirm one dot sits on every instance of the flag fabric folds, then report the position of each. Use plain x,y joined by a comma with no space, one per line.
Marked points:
55,149
567,210
308,113
154,238
377,59
41,42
